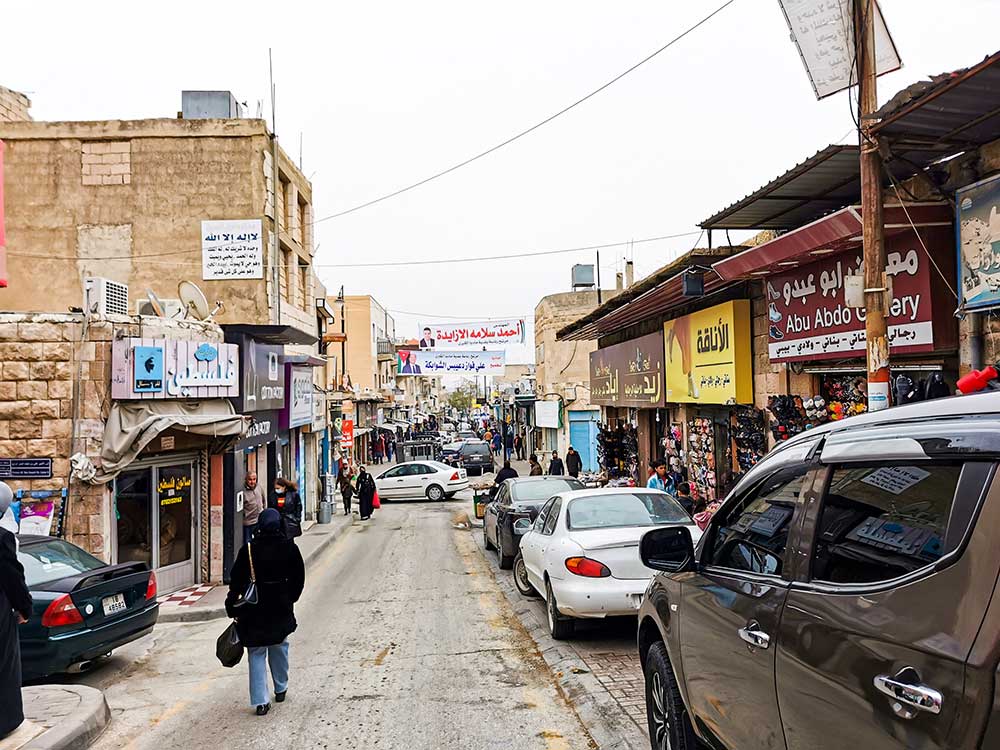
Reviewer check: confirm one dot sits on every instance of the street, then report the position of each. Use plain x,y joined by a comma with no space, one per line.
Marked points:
404,640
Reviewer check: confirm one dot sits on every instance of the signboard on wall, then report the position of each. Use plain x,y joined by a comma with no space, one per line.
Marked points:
488,333
979,244
629,374
434,363
547,414
232,249
347,432
168,368
708,356
263,377
300,397
263,429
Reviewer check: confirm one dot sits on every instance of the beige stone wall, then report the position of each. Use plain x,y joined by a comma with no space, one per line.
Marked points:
14,106
362,361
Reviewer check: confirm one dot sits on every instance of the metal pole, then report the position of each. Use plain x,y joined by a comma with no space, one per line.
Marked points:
598,277
871,211
275,273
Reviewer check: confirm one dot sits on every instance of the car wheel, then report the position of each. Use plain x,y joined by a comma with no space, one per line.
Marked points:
435,493
560,626
486,538
521,581
669,725
506,562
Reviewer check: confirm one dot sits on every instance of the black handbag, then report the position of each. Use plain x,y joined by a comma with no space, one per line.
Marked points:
250,595
228,647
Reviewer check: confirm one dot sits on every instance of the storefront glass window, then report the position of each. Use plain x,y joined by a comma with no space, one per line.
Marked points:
173,491
134,519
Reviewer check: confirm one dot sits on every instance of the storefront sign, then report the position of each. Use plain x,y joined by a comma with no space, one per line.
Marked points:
629,374
347,432
232,249
167,368
808,319
300,396
979,243
174,486
491,333
263,376
263,429
25,468
433,363
708,355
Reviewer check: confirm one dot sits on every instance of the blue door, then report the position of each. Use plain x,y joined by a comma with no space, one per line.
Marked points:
583,437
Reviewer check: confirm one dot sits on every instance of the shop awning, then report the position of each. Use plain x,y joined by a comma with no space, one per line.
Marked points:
272,334
131,426
834,233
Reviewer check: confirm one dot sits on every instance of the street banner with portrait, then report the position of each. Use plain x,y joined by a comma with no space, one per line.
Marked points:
979,244
433,363
487,333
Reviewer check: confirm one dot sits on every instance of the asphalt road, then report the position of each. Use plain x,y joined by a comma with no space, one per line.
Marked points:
404,641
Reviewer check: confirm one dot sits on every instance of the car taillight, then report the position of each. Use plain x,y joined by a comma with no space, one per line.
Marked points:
151,586
584,566
454,477
61,612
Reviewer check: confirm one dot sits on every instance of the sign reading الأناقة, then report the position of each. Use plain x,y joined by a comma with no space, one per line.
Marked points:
232,249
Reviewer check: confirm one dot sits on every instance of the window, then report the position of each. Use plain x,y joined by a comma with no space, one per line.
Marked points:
54,559
550,522
534,491
611,511
543,515
397,472
752,535
304,283
882,522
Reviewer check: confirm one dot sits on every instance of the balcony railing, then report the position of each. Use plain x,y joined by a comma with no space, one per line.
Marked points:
386,349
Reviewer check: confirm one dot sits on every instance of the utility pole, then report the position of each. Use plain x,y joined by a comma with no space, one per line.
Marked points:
873,238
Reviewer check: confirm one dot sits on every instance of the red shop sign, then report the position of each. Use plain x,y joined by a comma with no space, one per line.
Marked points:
808,320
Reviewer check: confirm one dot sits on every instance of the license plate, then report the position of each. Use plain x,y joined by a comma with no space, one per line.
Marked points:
114,604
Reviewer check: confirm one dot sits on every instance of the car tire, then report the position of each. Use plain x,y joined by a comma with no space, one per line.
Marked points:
486,539
667,717
506,562
561,627
435,493
521,582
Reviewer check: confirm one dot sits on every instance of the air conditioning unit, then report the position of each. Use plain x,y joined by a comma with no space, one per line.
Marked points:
103,297
172,308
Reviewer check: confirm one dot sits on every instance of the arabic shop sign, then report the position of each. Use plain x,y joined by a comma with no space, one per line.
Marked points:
174,486
263,377
708,356
167,368
300,397
491,333
808,320
232,249
628,374
431,363
263,429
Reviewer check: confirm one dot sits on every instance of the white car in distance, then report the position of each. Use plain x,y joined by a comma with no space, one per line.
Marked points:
582,552
431,479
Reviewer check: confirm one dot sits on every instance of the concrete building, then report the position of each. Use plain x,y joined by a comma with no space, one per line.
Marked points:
371,350
14,106
563,377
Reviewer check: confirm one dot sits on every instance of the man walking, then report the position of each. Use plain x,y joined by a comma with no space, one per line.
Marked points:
497,443
253,504
573,462
556,465
536,468
519,446
508,444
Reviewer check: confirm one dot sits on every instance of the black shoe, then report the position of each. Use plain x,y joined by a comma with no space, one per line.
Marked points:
261,710
280,697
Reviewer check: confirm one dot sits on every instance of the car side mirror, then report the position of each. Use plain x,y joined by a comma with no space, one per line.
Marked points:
533,514
669,549
522,526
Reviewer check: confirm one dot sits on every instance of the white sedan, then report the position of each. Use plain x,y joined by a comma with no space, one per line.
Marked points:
431,479
582,552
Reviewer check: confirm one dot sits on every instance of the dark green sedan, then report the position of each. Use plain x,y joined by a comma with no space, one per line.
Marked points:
83,608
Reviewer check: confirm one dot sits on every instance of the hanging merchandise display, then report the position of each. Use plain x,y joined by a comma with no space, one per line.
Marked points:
846,395
673,451
788,416
747,431
618,454
701,459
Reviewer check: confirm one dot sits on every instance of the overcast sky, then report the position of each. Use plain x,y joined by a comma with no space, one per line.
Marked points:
386,93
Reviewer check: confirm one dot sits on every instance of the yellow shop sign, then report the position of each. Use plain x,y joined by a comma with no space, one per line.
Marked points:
707,356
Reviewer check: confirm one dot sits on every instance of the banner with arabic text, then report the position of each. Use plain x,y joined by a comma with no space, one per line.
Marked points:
433,363
489,333
628,374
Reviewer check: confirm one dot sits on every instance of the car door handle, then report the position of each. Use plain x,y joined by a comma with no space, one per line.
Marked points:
754,636
905,689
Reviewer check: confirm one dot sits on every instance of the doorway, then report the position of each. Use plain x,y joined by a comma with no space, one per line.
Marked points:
156,519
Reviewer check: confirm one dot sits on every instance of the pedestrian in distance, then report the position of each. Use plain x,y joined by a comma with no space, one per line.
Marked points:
536,468
15,609
366,494
685,498
519,446
659,479
378,448
346,488
507,472
497,443
253,504
573,462
508,444
275,565
556,468
488,437
288,503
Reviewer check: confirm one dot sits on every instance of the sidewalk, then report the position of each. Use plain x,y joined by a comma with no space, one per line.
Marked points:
208,603
59,717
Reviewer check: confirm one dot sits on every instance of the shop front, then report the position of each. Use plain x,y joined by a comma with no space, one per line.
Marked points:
296,419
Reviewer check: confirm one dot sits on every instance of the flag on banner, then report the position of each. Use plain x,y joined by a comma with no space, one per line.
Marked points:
3,236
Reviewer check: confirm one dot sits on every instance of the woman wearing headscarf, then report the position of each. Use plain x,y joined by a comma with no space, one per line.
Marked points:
264,627
346,487
288,503
15,608
366,493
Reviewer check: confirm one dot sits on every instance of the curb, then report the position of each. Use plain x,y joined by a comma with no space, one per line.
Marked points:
218,612
599,712
78,730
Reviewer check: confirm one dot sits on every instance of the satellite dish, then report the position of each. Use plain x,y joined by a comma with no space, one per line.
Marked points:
193,300
154,302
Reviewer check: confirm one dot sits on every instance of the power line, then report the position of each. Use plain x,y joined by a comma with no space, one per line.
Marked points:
470,318
534,127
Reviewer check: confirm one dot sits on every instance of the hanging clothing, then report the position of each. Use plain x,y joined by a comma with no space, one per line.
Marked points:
14,598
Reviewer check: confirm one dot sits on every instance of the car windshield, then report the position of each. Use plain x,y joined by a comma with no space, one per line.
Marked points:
633,509
54,559
473,450
468,436
538,490
440,466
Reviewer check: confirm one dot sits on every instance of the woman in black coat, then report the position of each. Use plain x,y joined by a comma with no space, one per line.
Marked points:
263,628
288,503
366,494
15,608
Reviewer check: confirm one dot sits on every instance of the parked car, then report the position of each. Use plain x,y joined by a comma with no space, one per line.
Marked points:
850,578
582,552
473,455
515,499
431,479
467,435
83,608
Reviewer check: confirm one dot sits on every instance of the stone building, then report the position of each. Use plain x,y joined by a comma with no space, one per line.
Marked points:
14,106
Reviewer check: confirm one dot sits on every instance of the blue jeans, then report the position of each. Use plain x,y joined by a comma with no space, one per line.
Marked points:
259,657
